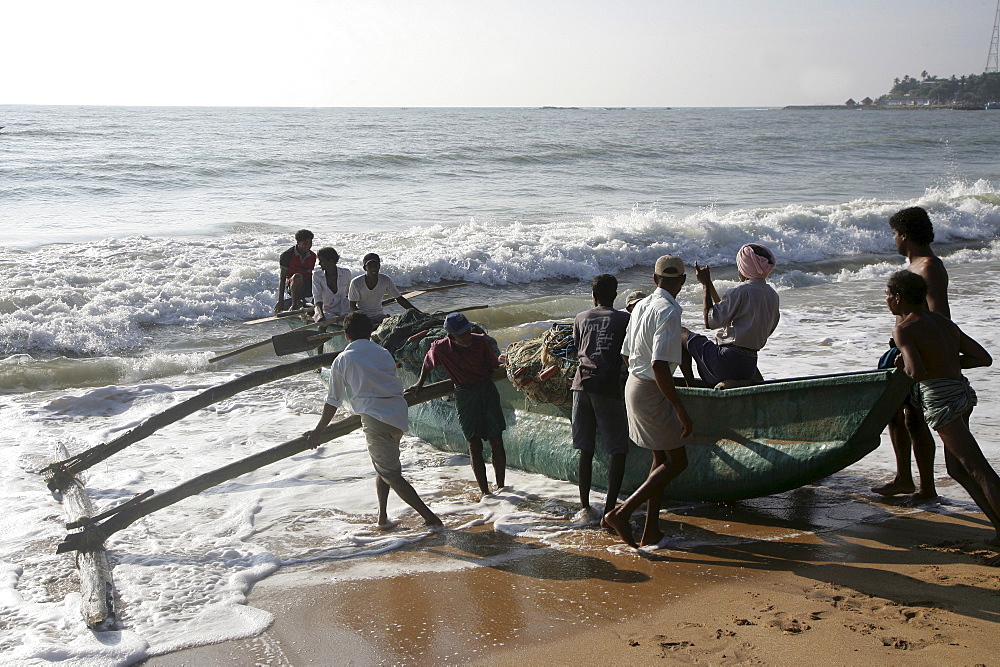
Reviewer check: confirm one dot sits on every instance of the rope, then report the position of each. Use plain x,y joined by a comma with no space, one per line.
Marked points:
543,367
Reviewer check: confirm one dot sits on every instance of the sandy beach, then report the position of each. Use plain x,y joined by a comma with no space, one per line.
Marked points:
860,583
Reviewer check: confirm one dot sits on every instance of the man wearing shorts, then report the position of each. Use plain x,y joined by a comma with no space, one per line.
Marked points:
657,419
746,317
469,360
377,396
598,400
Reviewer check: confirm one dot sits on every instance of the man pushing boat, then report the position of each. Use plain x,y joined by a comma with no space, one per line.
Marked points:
377,396
933,351
469,360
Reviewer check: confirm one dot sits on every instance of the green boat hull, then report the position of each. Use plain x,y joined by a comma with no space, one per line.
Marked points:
747,442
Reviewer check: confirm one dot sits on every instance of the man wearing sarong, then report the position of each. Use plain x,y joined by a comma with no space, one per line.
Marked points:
469,360
657,419
746,317
933,351
377,396
912,232
598,402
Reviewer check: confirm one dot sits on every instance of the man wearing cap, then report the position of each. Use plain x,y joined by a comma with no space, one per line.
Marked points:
377,397
295,271
469,360
632,298
368,290
746,317
657,419
598,401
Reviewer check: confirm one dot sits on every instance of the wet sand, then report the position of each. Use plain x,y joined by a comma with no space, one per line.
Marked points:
827,580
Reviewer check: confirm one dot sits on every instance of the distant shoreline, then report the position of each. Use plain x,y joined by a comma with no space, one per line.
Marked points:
882,107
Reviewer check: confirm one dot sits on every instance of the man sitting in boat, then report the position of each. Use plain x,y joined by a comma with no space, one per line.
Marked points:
295,274
933,351
657,419
469,360
368,290
746,317
598,401
377,396
329,288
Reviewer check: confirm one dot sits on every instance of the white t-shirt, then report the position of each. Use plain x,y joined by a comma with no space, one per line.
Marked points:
370,371
335,304
653,334
370,301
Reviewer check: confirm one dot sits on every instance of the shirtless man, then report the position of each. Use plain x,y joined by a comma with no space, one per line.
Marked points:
933,351
913,233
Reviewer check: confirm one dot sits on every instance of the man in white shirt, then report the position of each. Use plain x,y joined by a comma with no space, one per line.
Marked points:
330,285
657,419
377,396
368,290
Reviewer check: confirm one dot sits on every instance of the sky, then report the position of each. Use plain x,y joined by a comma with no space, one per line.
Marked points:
467,53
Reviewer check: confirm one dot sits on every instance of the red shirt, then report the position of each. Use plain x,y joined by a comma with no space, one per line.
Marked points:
466,366
296,263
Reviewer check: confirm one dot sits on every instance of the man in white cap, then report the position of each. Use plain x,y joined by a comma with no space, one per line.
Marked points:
469,360
368,290
657,419
746,317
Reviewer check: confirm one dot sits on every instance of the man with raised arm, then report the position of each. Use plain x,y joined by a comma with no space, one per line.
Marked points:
598,401
933,351
657,419
913,233
295,271
746,317
377,396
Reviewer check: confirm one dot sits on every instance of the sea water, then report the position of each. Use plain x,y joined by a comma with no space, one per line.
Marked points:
135,242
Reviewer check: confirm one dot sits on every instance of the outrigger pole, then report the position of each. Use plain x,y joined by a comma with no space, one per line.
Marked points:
96,530
61,474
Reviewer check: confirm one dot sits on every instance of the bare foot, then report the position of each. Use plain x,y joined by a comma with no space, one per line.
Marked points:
435,524
620,525
894,488
921,497
650,538
386,524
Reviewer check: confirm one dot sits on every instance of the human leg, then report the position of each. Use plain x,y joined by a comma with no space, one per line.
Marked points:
666,466
900,438
584,427
499,457
383,448
295,287
616,473
686,370
922,443
478,463
382,491
969,467
585,472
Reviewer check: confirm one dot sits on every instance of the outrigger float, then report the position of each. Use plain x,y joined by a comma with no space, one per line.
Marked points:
747,442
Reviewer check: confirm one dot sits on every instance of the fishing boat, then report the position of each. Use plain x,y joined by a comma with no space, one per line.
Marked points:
747,442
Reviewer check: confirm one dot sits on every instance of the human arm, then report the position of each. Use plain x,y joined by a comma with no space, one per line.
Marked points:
318,278
971,354
401,300
665,382
909,359
329,411
282,277
424,371
936,277
704,276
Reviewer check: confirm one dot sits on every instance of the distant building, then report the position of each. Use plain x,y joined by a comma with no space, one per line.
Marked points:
850,103
868,101
907,101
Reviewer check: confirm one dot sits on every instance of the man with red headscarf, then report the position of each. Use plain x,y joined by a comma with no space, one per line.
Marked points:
746,317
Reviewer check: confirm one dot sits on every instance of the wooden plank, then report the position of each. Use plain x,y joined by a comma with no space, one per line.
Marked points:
96,584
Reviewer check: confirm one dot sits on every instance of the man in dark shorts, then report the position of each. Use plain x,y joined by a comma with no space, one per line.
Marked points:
746,317
934,351
913,233
295,275
598,399
469,360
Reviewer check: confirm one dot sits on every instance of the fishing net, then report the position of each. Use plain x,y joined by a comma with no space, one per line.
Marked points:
543,367
409,336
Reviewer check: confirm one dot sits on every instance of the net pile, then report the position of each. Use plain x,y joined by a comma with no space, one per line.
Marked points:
543,367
